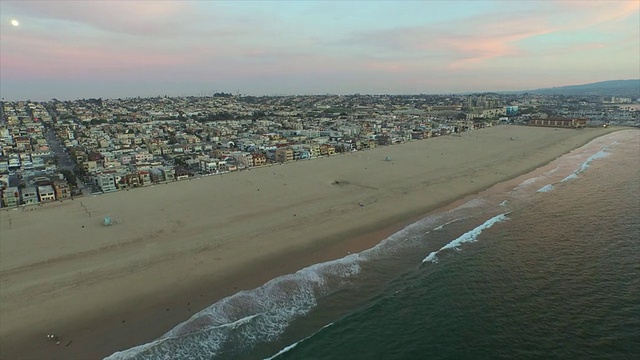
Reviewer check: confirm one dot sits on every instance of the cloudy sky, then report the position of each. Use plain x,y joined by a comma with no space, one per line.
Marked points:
82,49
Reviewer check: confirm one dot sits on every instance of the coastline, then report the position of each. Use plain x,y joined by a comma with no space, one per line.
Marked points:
88,310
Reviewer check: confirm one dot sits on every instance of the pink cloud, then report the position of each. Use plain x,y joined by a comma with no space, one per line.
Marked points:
25,55
587,13
131,17
386,67
482,46
472,41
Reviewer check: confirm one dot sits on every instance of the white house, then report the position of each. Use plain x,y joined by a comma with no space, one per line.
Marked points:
46,193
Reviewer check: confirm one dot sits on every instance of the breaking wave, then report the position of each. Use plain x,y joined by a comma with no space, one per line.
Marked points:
445,224
469,236
248,317
545,188
262,314
585,165
289,347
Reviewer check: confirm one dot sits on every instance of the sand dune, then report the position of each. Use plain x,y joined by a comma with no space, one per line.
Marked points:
178,247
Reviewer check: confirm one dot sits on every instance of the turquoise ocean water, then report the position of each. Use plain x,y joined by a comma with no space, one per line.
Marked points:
546,266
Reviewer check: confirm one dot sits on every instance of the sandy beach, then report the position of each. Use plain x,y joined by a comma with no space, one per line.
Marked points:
176,248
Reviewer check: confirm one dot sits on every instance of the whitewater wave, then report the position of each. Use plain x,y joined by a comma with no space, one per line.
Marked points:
414,233
262,314
470,204
289,347
469,236
528,182
585,165
447,223
546,188
248,317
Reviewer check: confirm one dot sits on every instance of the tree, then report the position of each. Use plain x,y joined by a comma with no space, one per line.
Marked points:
70,176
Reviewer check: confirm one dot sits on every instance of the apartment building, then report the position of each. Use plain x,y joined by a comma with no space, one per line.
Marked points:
89,166
62,189
143,157
313,149
169,173
284,154
46,193
145,177
259,159
209,165
10,196
326,149
106,182
244,159
30,196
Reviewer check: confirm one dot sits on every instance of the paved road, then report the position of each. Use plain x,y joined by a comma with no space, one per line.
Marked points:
64,159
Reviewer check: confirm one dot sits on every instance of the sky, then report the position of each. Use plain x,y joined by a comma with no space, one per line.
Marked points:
116,49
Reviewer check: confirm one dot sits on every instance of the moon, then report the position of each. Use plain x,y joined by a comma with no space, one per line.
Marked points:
15,22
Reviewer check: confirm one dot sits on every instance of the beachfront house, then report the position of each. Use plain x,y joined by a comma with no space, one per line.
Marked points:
145,177
209,166
284,154
46,193
244,159
313,149
30,196
259,159
10,196
62,189
106,182
168,173
326,149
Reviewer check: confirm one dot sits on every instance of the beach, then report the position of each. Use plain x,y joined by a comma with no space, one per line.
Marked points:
176,248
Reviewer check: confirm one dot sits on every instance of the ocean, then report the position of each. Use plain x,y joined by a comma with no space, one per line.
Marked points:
545,266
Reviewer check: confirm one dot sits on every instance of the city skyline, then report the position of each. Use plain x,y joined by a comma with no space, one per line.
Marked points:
68,50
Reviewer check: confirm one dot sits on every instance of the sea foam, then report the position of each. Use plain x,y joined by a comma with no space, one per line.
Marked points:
585,165
447,223
289,347
545,188
248,317
469,236
533,180
262,314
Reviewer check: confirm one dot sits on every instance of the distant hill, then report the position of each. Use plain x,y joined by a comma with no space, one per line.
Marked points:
623,88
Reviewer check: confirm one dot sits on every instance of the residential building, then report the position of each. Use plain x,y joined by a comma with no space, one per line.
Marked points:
168,173
326,149
62,189
10,196
106,182
209,165
259,159
143,157
89,166
243,159
30,196
314,149
145,177
132,180
284,154
46,193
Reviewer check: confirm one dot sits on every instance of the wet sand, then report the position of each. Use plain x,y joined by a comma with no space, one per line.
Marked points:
177,248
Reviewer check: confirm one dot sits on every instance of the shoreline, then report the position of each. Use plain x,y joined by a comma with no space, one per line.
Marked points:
105,332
